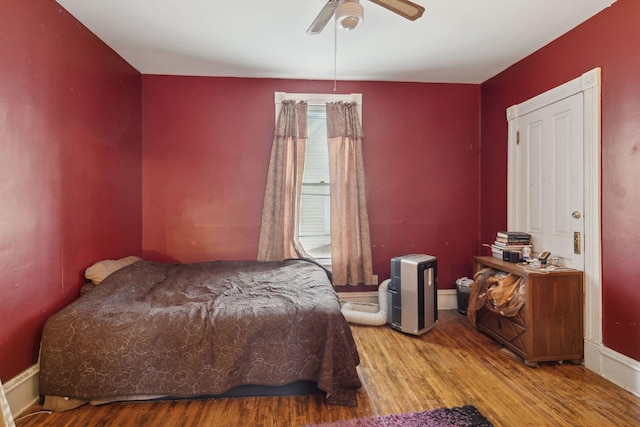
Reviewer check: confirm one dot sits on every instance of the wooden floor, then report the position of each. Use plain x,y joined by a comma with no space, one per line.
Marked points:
452,365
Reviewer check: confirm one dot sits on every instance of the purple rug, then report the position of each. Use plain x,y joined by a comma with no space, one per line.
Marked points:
463,416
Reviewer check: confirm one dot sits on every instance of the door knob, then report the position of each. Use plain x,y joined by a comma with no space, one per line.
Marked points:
576,214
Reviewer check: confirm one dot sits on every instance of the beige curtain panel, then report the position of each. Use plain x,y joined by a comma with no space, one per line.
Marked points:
350,239
281,209
7,418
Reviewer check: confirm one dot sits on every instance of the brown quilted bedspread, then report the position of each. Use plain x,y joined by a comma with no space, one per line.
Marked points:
198,329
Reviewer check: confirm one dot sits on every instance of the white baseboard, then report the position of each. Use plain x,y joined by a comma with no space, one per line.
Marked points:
23,391
613,366
447,299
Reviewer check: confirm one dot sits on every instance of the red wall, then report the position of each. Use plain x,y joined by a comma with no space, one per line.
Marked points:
610,40
77,158
70,120
206,149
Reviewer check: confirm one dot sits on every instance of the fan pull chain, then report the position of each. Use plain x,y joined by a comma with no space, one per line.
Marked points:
335,57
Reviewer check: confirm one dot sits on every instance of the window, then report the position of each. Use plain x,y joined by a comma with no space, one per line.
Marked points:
314,229
315,224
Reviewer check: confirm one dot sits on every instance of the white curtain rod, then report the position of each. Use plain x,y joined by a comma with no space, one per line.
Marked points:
317,98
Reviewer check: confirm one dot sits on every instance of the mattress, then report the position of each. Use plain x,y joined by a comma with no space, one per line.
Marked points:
189,330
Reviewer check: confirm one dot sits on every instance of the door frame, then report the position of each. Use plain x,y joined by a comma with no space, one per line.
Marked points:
589,85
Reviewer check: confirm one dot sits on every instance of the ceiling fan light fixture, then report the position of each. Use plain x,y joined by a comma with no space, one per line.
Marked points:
349,15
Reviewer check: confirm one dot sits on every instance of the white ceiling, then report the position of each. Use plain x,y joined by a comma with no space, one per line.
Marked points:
455,41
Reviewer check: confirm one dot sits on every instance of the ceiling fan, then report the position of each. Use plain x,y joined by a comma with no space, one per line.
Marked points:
349,13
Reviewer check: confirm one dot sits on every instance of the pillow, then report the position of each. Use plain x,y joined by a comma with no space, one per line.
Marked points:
101,269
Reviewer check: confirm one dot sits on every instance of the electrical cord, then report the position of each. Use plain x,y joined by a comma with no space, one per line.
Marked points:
32,414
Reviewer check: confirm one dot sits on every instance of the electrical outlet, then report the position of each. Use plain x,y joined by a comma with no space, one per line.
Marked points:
374,279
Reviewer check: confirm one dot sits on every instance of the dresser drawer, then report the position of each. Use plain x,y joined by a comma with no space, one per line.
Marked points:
510,331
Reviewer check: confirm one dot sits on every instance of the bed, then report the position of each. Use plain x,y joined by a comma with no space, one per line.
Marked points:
153,330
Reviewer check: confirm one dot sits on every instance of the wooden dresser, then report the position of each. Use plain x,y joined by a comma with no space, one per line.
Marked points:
549,327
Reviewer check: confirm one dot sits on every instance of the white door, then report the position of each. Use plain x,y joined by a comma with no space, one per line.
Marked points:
588,88
549,179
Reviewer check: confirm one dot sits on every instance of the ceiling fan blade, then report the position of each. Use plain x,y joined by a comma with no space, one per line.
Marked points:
404,8
323,17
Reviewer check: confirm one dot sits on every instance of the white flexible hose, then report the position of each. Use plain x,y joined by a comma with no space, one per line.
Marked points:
378,318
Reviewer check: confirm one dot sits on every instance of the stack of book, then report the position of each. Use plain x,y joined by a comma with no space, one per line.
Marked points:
513,241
